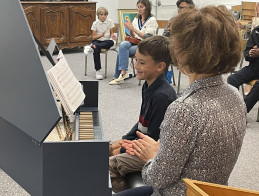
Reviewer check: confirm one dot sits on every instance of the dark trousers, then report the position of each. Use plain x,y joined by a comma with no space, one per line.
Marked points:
98,46
246,74
139,191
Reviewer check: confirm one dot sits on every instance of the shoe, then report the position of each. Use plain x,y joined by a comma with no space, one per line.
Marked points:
116,81
123,77
88,49
120,79
99,75
126,75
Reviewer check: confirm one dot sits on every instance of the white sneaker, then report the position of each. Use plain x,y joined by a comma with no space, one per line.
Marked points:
126,75
120,79
116,81
88,49
99,75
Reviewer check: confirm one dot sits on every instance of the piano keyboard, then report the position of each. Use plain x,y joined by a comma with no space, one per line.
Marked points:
86,129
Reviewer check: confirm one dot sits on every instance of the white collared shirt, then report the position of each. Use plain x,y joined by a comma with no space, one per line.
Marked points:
100,27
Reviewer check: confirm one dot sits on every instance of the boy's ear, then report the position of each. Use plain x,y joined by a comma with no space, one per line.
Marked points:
161,66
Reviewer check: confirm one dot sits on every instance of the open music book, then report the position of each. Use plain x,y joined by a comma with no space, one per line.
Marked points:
67,88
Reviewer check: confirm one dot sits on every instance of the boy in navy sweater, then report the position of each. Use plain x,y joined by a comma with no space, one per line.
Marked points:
152,61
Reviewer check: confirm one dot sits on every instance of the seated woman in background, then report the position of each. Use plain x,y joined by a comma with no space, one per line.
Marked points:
144,23
202,131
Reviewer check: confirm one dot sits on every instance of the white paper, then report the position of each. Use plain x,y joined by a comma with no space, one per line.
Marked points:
66,86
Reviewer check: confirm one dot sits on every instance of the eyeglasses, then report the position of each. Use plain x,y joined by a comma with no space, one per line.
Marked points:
182,8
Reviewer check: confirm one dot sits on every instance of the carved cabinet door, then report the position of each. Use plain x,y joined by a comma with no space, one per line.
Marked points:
33,17
81,20
54,24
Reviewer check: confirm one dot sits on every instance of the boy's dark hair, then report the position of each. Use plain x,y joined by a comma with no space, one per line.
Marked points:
158,47
190,2
147,4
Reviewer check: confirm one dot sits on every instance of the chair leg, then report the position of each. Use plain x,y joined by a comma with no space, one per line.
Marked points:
133,68
257,120
241,62
243,90
85,65
179,81
105,75
173,74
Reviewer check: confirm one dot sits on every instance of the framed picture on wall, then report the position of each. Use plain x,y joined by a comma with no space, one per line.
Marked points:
124,16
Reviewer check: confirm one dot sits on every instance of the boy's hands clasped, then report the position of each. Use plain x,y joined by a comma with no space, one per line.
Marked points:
145,148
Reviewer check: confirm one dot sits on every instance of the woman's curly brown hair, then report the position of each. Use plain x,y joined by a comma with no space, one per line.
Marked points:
208,39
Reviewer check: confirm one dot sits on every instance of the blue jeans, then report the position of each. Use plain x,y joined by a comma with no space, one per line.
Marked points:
126,50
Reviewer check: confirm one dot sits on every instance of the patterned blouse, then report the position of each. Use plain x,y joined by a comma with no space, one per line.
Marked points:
200,138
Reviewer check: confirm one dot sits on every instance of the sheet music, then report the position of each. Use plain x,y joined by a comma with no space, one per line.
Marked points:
66,86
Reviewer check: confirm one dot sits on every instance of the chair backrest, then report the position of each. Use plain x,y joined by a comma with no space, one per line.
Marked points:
116,28
243,44
161,25
252,82
116,32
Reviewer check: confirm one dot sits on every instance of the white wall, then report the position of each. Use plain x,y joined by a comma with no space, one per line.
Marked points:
169,8
111,5
127,4
164,12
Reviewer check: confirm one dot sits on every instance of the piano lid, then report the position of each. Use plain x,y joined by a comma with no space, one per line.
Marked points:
26,98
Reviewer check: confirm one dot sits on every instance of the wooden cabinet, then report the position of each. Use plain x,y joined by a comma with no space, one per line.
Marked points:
68,22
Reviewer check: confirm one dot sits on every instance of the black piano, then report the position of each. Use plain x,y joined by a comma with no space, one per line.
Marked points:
29,112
